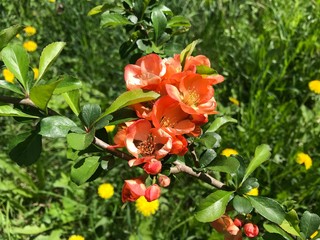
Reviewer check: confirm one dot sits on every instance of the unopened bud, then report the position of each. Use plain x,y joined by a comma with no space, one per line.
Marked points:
251,230
152,192
164,181
238,222
153,167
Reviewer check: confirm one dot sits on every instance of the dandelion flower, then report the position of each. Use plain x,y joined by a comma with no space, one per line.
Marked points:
30,46
110,128
147,208
35,73
105,190
30,30
303,158
8,76
314,86
76,237
234,101
52,1
253,192
228,152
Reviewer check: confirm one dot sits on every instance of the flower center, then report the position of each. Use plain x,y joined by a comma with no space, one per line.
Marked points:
146,147
191,97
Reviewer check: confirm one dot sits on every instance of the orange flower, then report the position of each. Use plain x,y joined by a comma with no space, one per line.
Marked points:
133,189
145,74
192,63
152,167
152,193
195,95
226,226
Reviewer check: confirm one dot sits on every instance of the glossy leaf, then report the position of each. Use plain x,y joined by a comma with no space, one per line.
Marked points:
56,126
102,122
248,185
41,94
80,141
11,87
27,149
207,157
113,20
272,228
73,100
9,111
242,205
219,122
16,60
159,22
89,114
179,21
213,206
268,208
309,223
48,56
187,52
291,223
261,154
210,139
83,169
205,70
7,34
228,165
67,84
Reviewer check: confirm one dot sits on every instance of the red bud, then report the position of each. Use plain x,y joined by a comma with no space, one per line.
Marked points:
152,192
251,230
164,181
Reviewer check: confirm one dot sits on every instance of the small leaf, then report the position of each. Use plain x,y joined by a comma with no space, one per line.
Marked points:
248,185
16,60
309,223
187,52
219,122
159,22
9,86
102,122
48,56
80,141
95,10
261,154
207,157
242,205
73,100
268,208
113,20
272,228
228,165
210,140
9,111
67,84
89,114
7,34
205,70
213,206
179,21
41,94
291,223
56,126
27,149
82,170
29,229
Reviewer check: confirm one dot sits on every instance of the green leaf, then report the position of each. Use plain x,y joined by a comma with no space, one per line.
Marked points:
179,21
213,206
273,236
129,98
95,10
272,228
228,165
268,208
16,60
67,84
219,122
80,141
48,56
56,126
113,20
261,154
102,122
89,114
248,185
27,149
291,223
187,52
309,223
10,86
9,111
29,229
242,205
82,170
210,139
73,100
205,70
159,22
41,94
7,34
207,157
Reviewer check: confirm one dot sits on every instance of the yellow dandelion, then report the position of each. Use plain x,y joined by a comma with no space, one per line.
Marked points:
30,30
147,208
105,190
313,235
253,192
314,86
110,128
18,36
228,152
35,73
8,76
234,101
76,237
303,158
30,46
52,1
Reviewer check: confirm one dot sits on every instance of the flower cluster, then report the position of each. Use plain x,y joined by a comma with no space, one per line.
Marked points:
186,99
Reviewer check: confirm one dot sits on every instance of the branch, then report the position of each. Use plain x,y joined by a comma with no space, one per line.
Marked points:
178,168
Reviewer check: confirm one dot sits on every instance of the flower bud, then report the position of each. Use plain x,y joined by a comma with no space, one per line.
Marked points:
164,181
153,167
238,222
251,230
152,192
133,189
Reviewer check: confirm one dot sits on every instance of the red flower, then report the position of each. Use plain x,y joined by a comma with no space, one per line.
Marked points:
152,167
251,230
191,63
152,193
145,74
225,225
133,189
164,181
